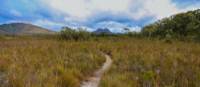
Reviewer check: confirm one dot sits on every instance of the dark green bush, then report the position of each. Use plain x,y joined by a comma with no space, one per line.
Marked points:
71,34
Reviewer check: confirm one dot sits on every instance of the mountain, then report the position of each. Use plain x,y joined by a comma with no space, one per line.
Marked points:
102,31
22,29
180,26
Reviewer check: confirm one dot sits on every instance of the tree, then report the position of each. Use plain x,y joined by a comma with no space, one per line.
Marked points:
179,26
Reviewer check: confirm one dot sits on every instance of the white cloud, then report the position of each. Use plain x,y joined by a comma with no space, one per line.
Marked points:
74,8
109,5
48,24
82,27
82,9
79,11
157,8
160,8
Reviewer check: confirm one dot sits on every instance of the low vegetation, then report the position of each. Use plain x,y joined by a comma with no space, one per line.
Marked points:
136,62
147,63
46,63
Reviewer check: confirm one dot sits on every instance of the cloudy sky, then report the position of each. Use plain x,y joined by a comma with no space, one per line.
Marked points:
92,14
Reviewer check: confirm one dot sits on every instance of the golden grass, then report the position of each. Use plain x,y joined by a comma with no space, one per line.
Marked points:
46,63
136,62
146,63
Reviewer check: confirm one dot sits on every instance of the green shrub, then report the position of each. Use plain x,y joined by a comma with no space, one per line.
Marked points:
70,34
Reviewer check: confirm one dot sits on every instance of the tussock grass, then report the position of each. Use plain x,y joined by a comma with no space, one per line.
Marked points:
46,63
147,63
136,62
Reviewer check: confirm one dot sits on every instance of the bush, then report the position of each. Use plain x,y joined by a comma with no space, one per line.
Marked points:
70,34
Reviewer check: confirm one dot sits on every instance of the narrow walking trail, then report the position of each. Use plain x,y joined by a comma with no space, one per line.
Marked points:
95,80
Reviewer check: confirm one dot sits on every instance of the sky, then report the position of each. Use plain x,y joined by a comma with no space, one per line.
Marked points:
92,14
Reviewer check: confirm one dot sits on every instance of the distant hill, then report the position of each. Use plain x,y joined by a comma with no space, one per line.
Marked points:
3,32
180,26
102,31
22,29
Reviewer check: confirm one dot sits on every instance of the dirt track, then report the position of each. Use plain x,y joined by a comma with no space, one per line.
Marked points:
95,80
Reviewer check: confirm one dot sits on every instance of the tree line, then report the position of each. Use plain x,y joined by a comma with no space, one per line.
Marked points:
182,26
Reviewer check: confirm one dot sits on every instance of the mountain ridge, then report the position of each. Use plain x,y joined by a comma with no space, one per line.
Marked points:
102,31
23,29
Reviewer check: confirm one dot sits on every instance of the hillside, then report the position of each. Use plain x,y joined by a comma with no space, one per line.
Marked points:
22,29
180,26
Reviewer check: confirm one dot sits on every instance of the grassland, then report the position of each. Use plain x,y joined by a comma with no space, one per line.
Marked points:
136,62
153,63
46,63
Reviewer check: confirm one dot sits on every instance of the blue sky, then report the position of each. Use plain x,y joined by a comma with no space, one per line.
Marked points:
92,14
